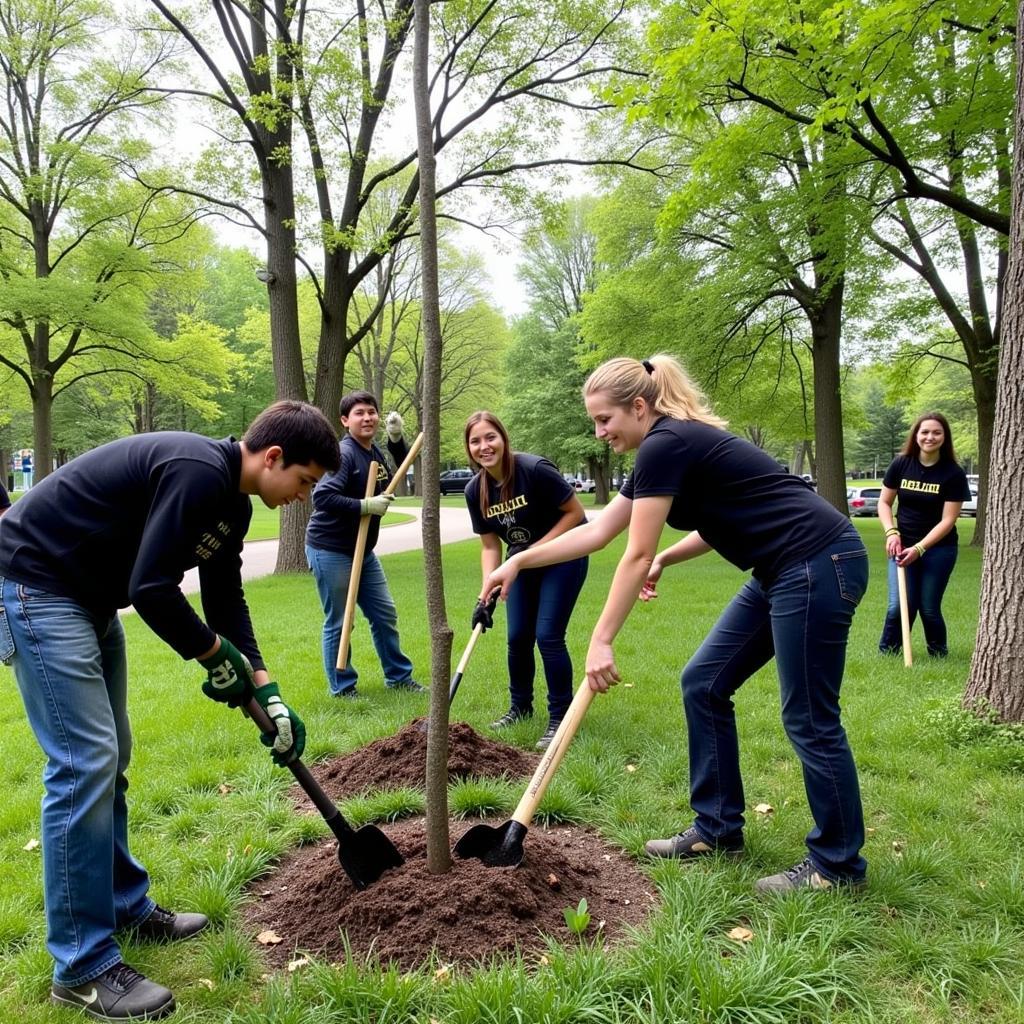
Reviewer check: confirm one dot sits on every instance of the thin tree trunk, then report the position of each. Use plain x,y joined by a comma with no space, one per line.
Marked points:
439,858
996,681
826,330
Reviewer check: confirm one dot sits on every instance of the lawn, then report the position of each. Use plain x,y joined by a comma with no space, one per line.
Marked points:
266,522
938,936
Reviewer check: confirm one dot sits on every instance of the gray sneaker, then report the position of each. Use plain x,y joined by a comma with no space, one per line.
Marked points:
549,734
120,993
803,876
691,844
510,717
408,684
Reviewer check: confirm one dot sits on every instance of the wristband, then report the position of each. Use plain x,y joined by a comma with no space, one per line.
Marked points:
891,531
920,549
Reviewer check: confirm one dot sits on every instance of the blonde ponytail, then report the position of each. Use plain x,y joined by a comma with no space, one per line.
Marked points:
665,387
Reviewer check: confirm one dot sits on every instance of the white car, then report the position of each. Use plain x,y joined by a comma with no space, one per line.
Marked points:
970,508
585,486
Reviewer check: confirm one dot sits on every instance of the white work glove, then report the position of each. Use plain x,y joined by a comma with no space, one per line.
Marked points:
375,506
394,425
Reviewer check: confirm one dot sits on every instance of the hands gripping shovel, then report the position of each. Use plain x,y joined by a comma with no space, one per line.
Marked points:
502,847
364,854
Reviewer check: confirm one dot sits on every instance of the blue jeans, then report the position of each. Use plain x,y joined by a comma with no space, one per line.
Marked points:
71,670
802,619
927,579
332,570
539,605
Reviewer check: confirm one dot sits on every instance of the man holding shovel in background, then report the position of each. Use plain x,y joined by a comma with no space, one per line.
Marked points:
116,526
340,501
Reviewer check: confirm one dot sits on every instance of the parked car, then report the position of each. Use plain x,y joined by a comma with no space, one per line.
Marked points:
453,481
970,508
571,479
863,501
585,486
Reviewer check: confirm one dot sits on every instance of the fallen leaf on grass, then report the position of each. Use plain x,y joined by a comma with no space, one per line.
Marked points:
627,686
631,768
764,809
294,965
739,934
269,938
32,844
223,789
207,983
443,972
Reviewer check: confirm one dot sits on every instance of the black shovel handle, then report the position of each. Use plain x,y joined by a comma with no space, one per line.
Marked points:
492,603
304,777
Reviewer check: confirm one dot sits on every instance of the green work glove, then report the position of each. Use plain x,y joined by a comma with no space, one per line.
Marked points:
290,740
229,677
375,506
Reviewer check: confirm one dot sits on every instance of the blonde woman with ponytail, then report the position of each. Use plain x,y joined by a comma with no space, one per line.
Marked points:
809,572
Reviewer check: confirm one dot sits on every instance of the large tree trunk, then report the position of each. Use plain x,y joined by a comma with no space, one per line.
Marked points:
996,681
826,331
439,858
42,424
985,389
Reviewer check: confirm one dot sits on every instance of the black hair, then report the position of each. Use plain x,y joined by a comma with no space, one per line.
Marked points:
301,430
354,398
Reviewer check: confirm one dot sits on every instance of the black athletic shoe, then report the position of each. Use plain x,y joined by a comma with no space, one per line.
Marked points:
350,694
549,734
512,716
691,844
118,994
166,926
408,684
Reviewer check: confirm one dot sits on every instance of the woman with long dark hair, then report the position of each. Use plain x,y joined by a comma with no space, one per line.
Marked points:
810,571
523,500
929,489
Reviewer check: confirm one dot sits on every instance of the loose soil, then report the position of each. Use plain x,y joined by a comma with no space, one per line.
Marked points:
401,760
468,915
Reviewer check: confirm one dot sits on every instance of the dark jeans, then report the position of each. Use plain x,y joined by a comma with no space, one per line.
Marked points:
927,579
802,619
538,609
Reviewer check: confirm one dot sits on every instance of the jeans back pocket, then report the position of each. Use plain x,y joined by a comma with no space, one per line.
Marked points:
851,574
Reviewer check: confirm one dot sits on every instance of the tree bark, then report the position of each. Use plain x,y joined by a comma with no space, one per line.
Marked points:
439,860
826,333
996,681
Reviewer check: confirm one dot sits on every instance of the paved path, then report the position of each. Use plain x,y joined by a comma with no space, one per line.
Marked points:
260,556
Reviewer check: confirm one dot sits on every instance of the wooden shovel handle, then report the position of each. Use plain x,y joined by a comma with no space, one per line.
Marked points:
553,755
357,571
901,581
406,463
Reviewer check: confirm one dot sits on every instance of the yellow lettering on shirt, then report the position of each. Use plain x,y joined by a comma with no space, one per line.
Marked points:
919,485
503,508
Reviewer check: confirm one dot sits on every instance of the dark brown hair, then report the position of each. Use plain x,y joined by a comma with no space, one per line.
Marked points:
912,448
302,431
508,465
354,398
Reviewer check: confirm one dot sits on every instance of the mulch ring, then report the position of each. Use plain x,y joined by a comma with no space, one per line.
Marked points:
401,760
467,915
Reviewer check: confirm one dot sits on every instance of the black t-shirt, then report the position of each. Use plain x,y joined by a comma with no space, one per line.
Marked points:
921,491
538,489
750,510
334,525
122,523
5,498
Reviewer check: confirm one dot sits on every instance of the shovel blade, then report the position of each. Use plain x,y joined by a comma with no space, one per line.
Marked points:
366,854
500,847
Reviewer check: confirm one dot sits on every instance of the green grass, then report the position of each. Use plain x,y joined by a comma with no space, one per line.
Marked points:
937,937
266,522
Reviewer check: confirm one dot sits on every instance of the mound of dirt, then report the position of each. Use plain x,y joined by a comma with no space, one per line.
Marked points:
468,915
401,760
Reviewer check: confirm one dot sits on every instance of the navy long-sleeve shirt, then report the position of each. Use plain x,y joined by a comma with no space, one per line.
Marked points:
334,524
122,523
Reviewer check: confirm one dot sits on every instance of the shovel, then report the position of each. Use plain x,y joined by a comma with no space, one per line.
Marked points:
424,725
464,660
360,549
502,847
365,854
